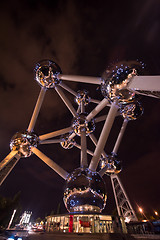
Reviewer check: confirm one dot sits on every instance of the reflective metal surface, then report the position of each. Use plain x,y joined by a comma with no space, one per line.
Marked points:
85,191
22,142
46,72
113,165
115,80
82,96
81,122
132,111
155,94
67,143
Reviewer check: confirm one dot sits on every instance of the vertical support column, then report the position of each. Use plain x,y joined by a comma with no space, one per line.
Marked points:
83,163
123,204
83,149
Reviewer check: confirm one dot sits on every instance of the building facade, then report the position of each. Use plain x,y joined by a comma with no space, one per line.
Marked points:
85,223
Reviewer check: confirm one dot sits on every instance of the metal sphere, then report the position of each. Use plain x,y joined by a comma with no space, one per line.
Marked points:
82,96
132,111
46,72
113,165
85,191
22,142
81,122
116,79
67,143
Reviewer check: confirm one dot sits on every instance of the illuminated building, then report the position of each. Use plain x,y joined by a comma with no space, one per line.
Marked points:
85,223
25,218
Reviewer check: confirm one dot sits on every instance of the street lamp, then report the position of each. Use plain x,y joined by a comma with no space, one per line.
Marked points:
156,213
142,213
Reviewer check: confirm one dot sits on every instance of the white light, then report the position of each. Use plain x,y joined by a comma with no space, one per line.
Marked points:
127,219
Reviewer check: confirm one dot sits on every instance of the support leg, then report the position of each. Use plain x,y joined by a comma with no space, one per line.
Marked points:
36,110
104,136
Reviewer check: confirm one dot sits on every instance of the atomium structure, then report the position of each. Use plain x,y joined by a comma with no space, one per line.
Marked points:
85,189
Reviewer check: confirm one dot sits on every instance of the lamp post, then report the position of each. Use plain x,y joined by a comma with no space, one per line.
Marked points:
142,213
156,214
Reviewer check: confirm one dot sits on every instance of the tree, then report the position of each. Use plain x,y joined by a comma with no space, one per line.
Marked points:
7,206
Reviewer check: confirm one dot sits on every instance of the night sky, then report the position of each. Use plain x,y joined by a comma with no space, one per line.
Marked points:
83,38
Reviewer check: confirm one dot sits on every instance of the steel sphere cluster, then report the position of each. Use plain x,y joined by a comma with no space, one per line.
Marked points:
113,165
22,142
82,97
80,123
132,111
46,72
116,79
66,142
85,191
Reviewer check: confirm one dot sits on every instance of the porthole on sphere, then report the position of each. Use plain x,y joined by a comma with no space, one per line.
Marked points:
46,72
115,80
22,142
132,111
85,191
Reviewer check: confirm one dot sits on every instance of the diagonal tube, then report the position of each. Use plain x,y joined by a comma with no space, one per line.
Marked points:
55,133
120,135
72,136
100,119
76,78
66,100
8,158
116,146
88,151
95,101
94,140
50,141
79,109
9,167
103,136
97,109
68,89
36,110
50,163
103,171
145,84
103,117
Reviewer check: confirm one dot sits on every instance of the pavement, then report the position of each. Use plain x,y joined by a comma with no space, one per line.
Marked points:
146,236
80,236
87,236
